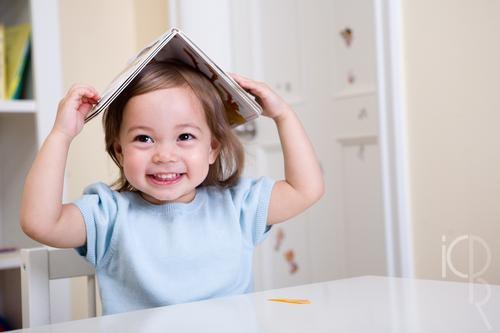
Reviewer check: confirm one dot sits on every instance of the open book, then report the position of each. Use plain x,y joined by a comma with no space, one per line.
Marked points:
174,44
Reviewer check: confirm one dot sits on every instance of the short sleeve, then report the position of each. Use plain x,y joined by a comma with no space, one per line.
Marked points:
251,198
99,206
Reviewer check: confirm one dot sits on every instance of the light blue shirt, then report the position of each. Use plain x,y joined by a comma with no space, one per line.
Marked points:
150,255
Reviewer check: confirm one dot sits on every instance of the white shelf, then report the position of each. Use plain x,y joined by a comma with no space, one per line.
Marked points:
10,260
368,139
17,106
355,91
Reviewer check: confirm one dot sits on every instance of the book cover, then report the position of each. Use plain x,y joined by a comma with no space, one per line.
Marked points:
175,45
17,46
3,74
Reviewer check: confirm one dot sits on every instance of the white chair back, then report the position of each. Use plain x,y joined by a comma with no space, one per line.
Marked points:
38,267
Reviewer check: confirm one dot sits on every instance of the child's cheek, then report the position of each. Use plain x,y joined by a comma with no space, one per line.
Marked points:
134,161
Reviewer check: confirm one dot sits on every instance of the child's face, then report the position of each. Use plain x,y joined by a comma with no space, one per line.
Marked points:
165,145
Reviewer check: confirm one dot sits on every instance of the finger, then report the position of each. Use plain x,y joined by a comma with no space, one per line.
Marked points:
84,109
237,76
76,87
241,80
89,100
96,93
83,92
255,88
89,90
249,83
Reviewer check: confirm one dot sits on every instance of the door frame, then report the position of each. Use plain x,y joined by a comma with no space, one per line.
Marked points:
394,138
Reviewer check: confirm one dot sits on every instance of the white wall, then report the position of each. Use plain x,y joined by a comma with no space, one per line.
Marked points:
452,59
95,46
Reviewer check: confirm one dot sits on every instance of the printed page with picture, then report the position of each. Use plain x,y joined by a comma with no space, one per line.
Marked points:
175,45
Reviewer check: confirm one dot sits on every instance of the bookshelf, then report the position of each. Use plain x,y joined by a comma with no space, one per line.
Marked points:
23,126
17,106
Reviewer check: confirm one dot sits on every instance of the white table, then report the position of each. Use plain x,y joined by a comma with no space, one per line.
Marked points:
363,304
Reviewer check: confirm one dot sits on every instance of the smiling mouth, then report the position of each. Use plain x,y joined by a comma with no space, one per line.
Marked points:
165,178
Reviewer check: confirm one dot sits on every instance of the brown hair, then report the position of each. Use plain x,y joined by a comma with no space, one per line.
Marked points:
228,166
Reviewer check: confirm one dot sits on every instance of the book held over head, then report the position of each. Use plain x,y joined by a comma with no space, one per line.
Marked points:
175,45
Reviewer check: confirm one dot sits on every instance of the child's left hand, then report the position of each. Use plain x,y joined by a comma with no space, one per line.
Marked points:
274,106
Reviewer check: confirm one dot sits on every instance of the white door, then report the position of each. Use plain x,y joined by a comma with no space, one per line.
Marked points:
355,137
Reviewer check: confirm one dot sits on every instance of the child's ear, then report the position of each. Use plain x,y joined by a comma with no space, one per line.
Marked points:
214,151
118,152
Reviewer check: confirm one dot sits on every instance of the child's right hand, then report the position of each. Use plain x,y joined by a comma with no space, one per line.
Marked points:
73,108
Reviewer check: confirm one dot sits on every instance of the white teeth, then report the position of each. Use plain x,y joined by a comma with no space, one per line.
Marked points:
166,176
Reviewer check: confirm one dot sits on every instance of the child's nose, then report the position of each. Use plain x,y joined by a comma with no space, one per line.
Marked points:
165,154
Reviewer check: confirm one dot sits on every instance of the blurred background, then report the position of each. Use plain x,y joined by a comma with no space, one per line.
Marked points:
400,99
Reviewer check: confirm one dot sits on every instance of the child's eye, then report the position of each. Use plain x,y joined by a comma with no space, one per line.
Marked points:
143,138
186,137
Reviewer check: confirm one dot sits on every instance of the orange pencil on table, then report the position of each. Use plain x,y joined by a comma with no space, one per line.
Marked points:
290,300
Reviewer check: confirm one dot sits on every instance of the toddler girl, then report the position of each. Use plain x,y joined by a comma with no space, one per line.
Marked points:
179,224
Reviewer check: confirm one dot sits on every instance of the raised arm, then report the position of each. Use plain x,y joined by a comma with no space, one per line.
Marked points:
303,184
43,217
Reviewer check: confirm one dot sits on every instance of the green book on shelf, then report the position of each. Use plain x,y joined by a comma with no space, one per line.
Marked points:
3,69
17,47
